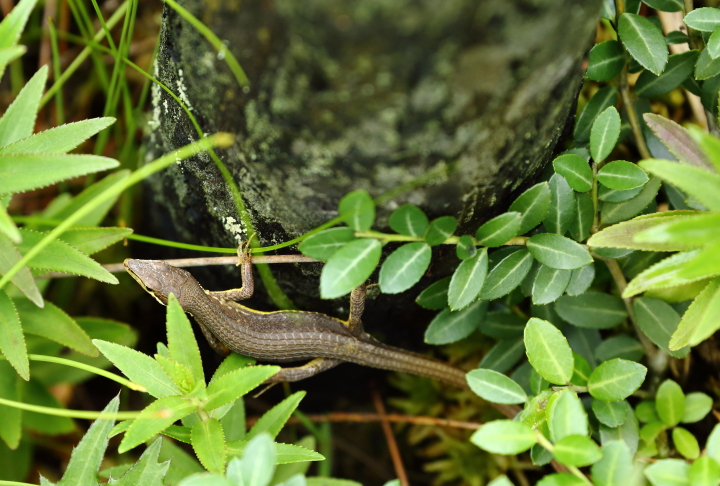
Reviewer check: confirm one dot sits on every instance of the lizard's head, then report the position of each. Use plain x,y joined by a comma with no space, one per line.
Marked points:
158,278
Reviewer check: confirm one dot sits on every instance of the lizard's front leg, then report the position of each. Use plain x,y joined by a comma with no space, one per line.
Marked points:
318,365
248,282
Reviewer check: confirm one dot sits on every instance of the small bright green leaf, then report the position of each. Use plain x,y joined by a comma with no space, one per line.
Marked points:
549,285
582,217
701,319
562,206
575,170
495,387
533,205
507,275
323,245
558,252
670,403
668,472
503,355
560,479
666,273
140,368
450,326
92,240
646,233
658,321
499,229
580,280
465,247
616,380
577,450
349,267
622,175
567,417
18,120
53,323
12,341
548,351
409,220
59,140
358,208
274,419
704,472
440,229
615,212
606,60
682,232
148,424
181,340
232,385
678,68
404,267
644,41
646,412
703,19
686,443
620,346
604,98
179,373
699,183
612,414
208,441
504,437
605,133
435,296
467,280
615,467
697,406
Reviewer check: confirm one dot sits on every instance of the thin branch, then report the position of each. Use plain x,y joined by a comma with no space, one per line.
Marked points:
391,442
376,417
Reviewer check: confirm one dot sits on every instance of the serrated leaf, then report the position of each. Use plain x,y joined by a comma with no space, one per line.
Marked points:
604,134
548,351
409,220
148,423
182,345
583,215
615,467
592,310
440,229
323,245
59,140
549,285
562,206
684,232
286,453
435,296
604,98
504,437
616,379
358,210
612,414
575,170
611,213
53,323
232,385
558,252
533,205
693,180
644,41
146,471
577,450
208,441
605,61
495,387
622,175
18,120
670,472
12,341
467,280
92,240
664,274
450,326
580,280
678,140
349,267
627,233
23,279
499,229
658,321
404,267
274,419
678,68
703,19
507,275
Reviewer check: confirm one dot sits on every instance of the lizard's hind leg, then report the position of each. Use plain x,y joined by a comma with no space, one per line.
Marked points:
318,365
357,306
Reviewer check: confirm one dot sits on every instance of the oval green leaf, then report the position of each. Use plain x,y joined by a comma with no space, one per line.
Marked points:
562,206
558,252
567,416
575,170
622,175
409,220
612,414
583,215
548,351
577,450
604,134
606,60
435,296
404,267
658,321
616,380
504,437
440,230
670,403
604,98
580,280
468,280
685,443
450,326
358,210
495,387
592,310
465,247
644,41
499,229
549,285
668,472
697,406
533,205
678,68
349,267
704,19
507,275
323,245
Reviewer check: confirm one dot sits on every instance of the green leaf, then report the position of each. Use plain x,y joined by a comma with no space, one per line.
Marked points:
140,368
548,351
665,5
575,170
713,443
622,175
581,370
666,273
612,414
604,133
620,346
603,99
704,472
647,233
558,252
682,232
450,326
232,385
592,310
208,441
408,220
12,341
705,68
577,450
499,230
533,205
606,60
645,411
503,355
18,120
465,247
286,453
615,212
678,140
23,279
580,280
677,37
349,267
678,68
404,267
179,374
561,479
323,245
670,403
616,380
685,443
181,340
233,421
87,456
10,388
440,230
697,406
9,54
498,481
148,423
258,462
358,210
562,206
658,321
147,471
549,285
713,44
507,275
92,240
644,41
501,325
435,296
53,323
608,195
703,19
274,419
695,181
7,225
582,217
495,387
467,280
567,416
615,467
668,472
59,140
504,437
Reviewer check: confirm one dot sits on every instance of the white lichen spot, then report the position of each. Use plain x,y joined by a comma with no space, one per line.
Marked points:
182,90
235,228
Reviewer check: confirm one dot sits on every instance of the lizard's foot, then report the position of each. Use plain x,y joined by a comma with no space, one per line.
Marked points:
244,252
